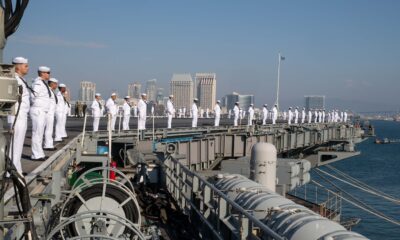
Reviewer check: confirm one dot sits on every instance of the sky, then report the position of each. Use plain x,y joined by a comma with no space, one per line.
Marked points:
348,50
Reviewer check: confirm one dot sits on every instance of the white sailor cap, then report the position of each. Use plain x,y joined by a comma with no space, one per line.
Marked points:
171,96
218,101
290,107
251,104
113,94
20,60
127,97
43,69
265,105
53,80
236,102
143,94
61,85
195,99
98,95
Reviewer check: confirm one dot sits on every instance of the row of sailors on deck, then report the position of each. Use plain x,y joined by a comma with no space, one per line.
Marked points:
313,115
46,104
112,111
296,117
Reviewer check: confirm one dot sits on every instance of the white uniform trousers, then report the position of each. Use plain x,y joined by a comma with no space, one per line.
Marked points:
113,120
235,121
59,126
194,121
169,121
96,121
216,120
38,122
125,122
17,143
264,120
250,123
141,123
274,119
64,123
48,133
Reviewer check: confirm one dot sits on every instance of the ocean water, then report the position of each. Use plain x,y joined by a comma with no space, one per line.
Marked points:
378,165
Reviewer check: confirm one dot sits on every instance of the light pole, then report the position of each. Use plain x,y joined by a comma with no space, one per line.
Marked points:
280,58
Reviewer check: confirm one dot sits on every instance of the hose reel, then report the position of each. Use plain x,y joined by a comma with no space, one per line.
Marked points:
100,206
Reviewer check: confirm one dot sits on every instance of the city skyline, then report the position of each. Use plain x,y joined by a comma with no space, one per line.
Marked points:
87,91
206,88
346,50
181,87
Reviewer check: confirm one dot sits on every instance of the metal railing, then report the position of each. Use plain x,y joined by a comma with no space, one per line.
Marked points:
325,202
201,200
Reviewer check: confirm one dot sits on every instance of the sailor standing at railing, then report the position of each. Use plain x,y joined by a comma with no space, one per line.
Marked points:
217,112
309,115
265,114
296,115
290,116
127,113
316,116
61,108
341,116
142,112
328,117
345,116
195,113
97,111
236,113
39,108
320,116
336,115
67,109
171,111
19,123
251,115
112,110
49,126
323,116
303,115
274,114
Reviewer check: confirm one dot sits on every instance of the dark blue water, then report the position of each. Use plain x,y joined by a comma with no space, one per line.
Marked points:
379,167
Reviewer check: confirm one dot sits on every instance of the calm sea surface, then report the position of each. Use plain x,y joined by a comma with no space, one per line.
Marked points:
379,167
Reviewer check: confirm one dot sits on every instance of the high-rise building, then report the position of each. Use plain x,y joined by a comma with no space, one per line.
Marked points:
160,96
244,100
87,91
151,89
134,90
206,89
314,102
67,94
182,89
